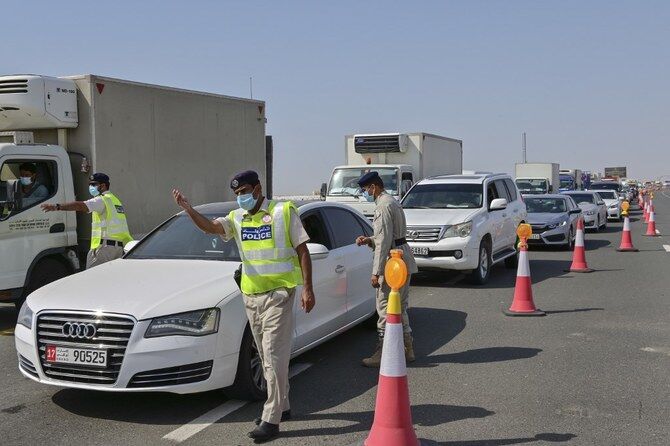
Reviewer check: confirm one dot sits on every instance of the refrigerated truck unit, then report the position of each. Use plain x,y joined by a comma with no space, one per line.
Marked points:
147,138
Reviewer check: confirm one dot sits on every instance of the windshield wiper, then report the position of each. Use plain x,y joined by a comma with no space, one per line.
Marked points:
417,207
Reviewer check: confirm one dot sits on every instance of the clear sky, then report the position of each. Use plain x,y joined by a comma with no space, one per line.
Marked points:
587,80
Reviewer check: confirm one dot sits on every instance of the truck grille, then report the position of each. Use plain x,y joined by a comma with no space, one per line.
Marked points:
171,376
14,86
424,233
112,333
27,366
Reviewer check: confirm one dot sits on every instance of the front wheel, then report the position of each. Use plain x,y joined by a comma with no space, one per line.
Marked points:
249,382
571,240
480,275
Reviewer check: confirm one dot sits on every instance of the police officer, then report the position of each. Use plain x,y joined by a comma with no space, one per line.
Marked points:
109,229
389,233
275,260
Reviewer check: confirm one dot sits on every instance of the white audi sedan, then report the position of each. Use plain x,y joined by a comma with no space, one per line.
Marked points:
169,316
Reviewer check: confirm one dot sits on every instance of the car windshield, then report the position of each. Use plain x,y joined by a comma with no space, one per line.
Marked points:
345,180
583,198
608,195
179,238
608,186
444,196
545,205
535,186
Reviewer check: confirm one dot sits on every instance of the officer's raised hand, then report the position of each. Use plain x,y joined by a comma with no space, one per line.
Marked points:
180,199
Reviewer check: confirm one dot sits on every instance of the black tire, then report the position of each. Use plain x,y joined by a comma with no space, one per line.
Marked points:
46,271
605,225
480,275
596,228
571,240
248,385
513,262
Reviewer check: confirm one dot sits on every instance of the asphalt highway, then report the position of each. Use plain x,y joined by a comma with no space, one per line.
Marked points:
594,371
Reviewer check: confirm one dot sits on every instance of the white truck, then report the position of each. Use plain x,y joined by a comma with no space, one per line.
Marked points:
401,159
537,178
147,138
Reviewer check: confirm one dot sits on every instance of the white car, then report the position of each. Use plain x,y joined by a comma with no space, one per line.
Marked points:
593,208
613,203
169,316
464,222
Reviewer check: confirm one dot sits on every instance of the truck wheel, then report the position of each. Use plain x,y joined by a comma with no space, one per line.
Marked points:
480,275
46,271
249,381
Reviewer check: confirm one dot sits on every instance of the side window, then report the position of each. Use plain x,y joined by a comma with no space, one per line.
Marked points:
511,189
502,190
316,229
24,184
365,225
491,193
345,226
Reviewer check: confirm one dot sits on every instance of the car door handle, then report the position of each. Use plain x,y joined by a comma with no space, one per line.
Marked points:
339,269
58,227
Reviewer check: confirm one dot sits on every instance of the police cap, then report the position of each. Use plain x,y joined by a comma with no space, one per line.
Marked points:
243,178
368,179
99,177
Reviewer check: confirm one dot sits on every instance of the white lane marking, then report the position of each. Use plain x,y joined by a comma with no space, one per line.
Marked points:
667,248
662,350
207,419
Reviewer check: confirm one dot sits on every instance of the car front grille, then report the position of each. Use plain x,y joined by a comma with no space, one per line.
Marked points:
27,366
539,229
171,376
424,233
112,334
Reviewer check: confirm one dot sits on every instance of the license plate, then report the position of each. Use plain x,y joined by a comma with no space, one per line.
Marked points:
535,236
420,251
81,356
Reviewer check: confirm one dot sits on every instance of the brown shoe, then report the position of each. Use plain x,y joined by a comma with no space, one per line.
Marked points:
409,347
375,360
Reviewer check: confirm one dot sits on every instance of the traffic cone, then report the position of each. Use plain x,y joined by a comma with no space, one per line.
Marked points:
392,425
626,239
651,226
522,304
647,206
579,254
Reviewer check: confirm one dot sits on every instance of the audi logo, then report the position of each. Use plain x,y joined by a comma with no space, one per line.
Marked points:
79,331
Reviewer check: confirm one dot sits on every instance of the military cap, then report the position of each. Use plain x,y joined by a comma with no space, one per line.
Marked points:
368,179
247,177
99,177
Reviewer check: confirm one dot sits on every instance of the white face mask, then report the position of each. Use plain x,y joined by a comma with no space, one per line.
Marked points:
26,181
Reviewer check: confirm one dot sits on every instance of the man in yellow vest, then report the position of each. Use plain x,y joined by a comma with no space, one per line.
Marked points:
275,260
109,229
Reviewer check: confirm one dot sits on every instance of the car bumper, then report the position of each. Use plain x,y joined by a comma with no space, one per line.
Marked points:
443,254
590,221
557,236
614,213
146,357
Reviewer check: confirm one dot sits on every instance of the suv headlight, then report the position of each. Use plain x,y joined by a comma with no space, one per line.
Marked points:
193,323
25,316
460,230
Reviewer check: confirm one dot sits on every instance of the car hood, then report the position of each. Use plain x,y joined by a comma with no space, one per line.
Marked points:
545,218
141,288
609,201
438,217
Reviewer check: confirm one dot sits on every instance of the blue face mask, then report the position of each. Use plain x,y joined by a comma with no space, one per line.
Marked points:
247,201
93,191
369,198
26,181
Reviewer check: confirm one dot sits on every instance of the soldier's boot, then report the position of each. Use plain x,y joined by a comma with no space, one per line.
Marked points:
375,360
409,347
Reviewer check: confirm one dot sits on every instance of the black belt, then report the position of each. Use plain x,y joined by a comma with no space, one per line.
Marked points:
112,243
400,242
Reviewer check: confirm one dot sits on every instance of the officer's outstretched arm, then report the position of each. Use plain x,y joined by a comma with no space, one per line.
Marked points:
204,223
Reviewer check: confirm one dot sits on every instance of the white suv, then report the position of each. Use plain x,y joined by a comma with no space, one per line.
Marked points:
464,222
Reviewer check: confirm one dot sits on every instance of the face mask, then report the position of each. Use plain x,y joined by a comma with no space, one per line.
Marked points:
26,181
247,201
369,198
93,191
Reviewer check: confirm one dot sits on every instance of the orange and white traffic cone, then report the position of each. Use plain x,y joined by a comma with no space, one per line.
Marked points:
522,304
626,239
651,226
392,425
645,215
579,254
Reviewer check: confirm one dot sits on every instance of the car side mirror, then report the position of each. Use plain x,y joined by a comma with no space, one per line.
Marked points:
576,211
324,190
317,251
130,245
498,204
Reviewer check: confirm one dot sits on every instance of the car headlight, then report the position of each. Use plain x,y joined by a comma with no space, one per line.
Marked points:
557,224
193,323
590,213
460,230
25,316
614,206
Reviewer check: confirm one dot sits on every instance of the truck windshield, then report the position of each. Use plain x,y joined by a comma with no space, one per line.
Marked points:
444,196
179,238
532,186
345,180
545,205
566,182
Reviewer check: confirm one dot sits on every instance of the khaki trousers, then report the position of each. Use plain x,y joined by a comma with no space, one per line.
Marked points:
271,320
383,300
102,254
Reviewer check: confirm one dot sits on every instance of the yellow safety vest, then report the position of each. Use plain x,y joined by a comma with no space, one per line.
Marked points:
114,227
269,260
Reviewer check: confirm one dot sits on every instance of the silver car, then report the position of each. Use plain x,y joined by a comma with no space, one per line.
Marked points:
553,218
593,208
